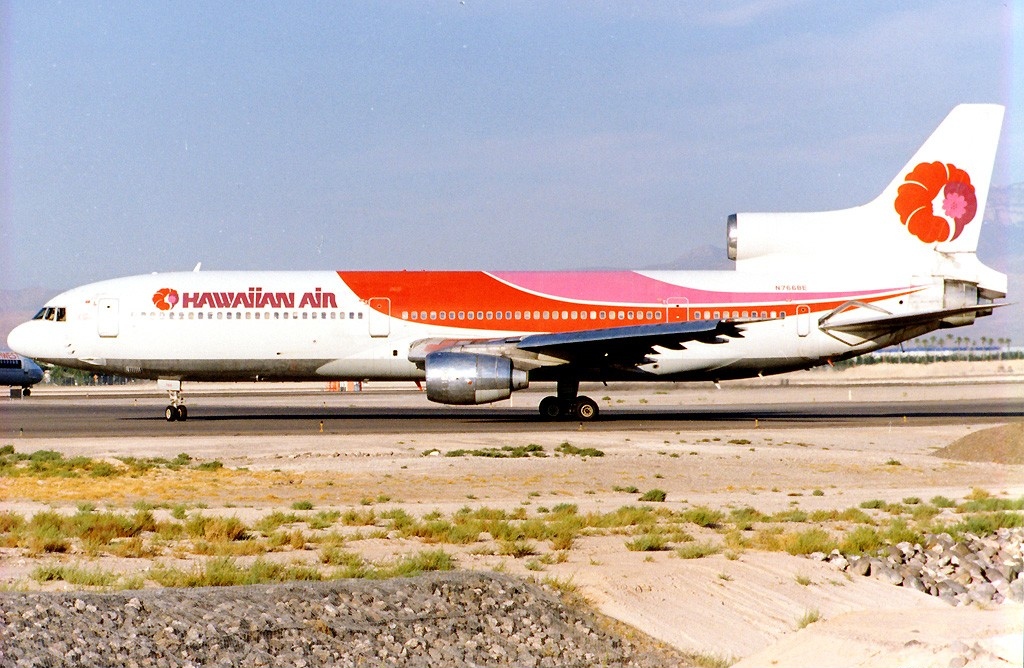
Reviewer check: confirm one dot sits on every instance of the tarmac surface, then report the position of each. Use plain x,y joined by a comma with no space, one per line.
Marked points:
301,412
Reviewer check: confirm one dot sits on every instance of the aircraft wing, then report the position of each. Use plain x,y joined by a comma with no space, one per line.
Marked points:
626,345
593,347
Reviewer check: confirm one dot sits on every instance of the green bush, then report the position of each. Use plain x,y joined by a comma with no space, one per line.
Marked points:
268,524
808,542
11,522
622,517
990,504
899,532
648,542
792,515
655,496
421,562
567,448
703,516
697,550
861,540
986,524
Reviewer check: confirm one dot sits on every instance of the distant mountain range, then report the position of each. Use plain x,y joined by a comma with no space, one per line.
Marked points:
1006,206
1002,240
1002,247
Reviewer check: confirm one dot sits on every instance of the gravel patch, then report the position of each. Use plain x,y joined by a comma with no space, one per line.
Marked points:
450,619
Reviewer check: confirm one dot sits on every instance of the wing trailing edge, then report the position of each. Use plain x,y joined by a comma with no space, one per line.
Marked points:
627,343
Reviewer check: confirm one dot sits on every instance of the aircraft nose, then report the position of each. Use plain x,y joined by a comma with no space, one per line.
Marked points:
35,374
17,339
22,341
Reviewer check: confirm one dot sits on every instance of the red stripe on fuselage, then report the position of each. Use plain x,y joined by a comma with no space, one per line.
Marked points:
429,293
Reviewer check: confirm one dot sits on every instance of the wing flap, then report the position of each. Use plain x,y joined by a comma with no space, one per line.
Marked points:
627,344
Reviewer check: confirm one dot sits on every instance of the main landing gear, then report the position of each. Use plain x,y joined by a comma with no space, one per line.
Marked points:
176,412
567,405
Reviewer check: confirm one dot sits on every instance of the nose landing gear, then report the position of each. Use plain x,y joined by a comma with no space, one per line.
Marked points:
176,412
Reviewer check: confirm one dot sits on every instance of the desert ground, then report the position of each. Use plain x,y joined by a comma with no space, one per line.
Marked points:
739,604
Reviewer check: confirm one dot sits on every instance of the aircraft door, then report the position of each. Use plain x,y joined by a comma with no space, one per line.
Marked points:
803,320
107,324
380,316
677,309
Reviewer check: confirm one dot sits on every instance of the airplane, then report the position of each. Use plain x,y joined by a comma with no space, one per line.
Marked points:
16,370
808,289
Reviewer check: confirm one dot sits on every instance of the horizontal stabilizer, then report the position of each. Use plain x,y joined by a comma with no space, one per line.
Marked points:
871,327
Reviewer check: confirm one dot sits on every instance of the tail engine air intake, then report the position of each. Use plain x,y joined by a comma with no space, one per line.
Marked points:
467,378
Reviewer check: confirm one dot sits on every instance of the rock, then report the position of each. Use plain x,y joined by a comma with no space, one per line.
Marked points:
975,570
982,592
914,582
860,566
887,574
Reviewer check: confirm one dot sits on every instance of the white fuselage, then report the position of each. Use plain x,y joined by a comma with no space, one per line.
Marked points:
314,325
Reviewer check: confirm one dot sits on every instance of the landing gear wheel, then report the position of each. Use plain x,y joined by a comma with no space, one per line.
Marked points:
26,392
586,409
551,408
176,411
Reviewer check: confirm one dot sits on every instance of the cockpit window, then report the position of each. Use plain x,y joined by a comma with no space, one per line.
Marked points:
55,313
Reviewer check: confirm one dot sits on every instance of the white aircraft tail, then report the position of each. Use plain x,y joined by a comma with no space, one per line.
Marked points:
924,221
940,194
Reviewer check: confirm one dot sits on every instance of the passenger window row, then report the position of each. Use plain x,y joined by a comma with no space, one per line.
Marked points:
718,315
252,315
638,315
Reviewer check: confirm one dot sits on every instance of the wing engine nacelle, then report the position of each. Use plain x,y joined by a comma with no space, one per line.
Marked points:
467,378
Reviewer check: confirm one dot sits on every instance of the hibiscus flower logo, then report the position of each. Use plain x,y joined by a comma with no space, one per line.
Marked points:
165,298
932,183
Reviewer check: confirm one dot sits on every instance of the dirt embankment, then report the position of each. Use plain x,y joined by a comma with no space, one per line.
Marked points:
1000,445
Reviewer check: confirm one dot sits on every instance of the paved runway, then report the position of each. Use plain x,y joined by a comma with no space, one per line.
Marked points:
299,414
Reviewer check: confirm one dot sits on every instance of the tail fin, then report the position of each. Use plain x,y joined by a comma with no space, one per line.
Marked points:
940,194
935,203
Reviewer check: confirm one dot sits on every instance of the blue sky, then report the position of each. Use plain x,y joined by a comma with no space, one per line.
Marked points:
142,137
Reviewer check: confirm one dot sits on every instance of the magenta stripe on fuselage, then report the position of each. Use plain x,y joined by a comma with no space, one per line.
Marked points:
630,287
